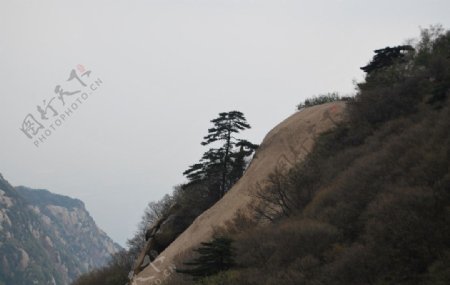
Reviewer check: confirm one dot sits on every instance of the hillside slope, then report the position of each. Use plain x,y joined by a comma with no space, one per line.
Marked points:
283,146
47,238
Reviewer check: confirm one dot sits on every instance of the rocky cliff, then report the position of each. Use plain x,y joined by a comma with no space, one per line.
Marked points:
47,238
283,146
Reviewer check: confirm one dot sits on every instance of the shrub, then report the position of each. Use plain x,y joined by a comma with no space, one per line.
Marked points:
370,204
213,257
321,99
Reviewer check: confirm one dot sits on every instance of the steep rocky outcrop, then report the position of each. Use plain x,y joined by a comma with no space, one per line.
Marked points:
158,236
47,238
283,146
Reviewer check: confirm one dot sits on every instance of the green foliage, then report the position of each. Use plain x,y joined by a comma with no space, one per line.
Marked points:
213,257
386,57
321,99
221,167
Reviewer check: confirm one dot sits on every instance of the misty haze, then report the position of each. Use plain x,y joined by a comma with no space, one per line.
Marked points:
224,142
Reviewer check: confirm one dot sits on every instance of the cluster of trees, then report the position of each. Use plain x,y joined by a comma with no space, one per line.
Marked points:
370,204
208,180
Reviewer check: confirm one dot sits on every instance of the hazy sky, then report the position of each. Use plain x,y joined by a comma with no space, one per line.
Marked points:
167,67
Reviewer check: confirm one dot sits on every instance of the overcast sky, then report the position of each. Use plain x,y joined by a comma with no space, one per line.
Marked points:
166,68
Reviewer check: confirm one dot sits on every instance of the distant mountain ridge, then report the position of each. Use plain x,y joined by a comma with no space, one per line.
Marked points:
42,197
47,238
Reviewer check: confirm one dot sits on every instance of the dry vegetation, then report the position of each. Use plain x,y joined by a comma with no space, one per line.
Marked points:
371,203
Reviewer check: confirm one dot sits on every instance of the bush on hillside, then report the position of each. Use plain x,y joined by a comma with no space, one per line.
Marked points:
370,204
321,99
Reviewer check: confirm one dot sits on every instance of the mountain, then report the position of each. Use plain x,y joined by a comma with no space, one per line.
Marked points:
284,146
47,238
348,190
369,203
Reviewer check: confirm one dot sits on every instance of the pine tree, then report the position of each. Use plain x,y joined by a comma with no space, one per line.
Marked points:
386,57
224,165
214,257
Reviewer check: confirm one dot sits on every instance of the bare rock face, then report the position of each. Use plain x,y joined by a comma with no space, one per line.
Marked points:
285,145
47,238
169,230
158,237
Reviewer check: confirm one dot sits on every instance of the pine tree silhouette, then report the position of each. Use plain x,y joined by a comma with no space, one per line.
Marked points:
223,165
214,256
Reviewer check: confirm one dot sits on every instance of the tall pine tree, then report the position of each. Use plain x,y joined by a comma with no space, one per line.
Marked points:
224,165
